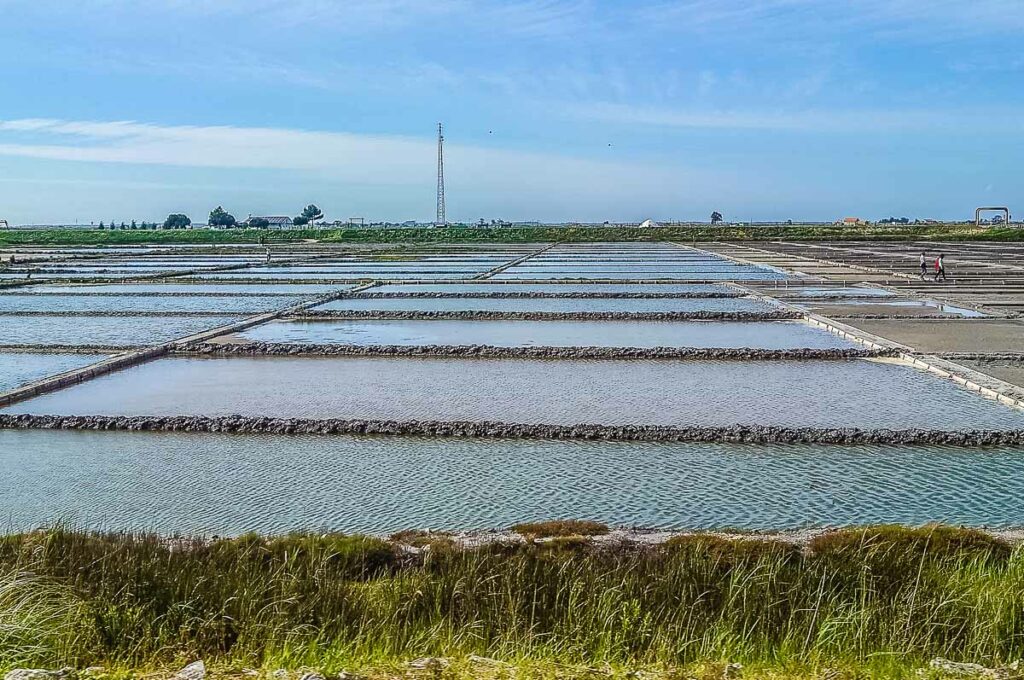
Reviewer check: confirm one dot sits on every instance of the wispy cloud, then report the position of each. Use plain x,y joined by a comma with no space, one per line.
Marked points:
831,120
365,160
815,20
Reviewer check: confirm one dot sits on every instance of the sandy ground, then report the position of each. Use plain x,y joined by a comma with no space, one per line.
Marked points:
954,335
1010,371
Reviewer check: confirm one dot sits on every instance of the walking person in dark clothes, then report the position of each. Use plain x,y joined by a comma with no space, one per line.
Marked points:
940,267
924,265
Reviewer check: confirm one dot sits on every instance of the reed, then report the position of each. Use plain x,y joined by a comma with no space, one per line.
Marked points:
886,598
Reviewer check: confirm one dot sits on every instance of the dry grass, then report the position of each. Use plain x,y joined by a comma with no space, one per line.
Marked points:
561,528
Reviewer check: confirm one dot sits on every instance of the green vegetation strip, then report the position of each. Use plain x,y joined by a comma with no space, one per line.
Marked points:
533,234
855,603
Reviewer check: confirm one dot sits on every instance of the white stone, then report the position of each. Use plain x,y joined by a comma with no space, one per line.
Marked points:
193,671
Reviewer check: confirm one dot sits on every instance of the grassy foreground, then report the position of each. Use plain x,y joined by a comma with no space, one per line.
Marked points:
880,601
456,234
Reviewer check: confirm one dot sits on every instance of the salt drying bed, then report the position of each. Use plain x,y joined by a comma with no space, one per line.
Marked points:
104,331
822,394
174,483
18,368
757,334
549,305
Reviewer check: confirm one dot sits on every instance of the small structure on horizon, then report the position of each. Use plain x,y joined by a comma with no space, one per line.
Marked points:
1002,209
851,221
648,224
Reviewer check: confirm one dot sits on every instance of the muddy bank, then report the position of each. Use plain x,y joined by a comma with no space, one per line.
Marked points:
239,347
486,315
70,349
108,313
498,295
739,434
174,294
974,356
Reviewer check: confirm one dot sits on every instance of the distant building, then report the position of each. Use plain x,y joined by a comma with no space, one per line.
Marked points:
275,221
647,224
852,221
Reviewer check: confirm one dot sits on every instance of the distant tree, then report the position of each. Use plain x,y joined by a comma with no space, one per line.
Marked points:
134,226
716,217
312,213
221,218
258,223
101,225
300,220
177,221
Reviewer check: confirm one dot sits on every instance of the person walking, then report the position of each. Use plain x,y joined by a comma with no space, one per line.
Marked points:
924,265
940,267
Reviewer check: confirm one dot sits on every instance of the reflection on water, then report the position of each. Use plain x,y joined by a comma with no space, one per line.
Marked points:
229,484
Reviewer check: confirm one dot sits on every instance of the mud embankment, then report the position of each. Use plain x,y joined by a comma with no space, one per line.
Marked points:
168,294
532,352
117,313
740,434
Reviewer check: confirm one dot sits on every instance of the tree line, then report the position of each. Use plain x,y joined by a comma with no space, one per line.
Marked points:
219,217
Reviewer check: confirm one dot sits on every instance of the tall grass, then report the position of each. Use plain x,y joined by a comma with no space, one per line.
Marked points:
852,597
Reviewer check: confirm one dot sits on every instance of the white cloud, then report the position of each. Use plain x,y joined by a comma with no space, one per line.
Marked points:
831,120
554,184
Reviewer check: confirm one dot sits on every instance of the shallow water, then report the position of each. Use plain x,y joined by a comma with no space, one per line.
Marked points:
143,288
106,331
473,287
175,483
813,291
929,306
550,304
18,368
128,303
732,275
759,334
340,276
855,393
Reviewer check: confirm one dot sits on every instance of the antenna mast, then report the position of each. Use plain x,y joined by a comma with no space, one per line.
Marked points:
441,221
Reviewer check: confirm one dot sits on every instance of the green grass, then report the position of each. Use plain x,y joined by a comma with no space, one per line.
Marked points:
880,601
457,234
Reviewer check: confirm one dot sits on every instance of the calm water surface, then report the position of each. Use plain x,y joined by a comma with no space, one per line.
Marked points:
760,334
230,484
854,393
17,368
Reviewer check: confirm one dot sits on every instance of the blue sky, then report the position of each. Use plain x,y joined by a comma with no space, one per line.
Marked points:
567,110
